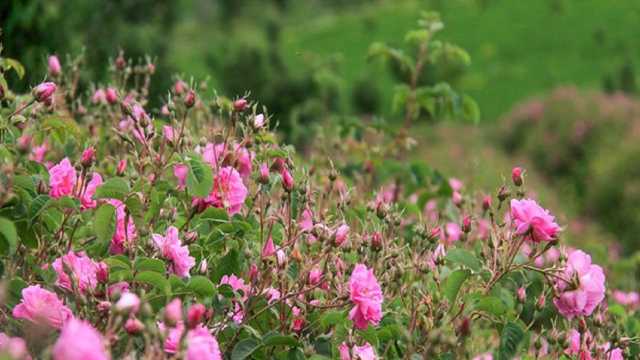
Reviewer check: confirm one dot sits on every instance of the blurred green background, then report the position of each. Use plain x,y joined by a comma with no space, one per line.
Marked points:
307,59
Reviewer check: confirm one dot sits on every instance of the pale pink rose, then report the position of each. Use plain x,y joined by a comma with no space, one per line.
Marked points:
228,192
456,197
79,341
38,153
54,66
44,91
124,234
452,232
213,154
456,184
86,200
173,311
171,249
99,97
366,295
244,161
168,133
281,257
180,171
237,284
431,210
630,299
341,234
582,287
173,336
485,356
345,352
128,303
201,345
14,347
364,352
62,179
269,249
574,342
165,110
42,307
305,223
258,121
83,270
532,221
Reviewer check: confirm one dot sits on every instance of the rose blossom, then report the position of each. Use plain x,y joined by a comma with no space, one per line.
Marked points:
168,133
15,347
201,345
180,171
38,153
228,192
86,199
630,299
79,341
124,234
128,303
582,287
364,352
341,234
366,295
44,91
62,179
237,284
452,232
111,95
54,66
42,307
171,249
532,221
173,311
83,270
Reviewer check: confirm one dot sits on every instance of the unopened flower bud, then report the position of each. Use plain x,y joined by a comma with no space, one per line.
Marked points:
111,95
456,197
253,272
376,240
541,302
54,66
258,121
264,174
341,234
516,176
190,99
522,294
122,166
128,303
195,315
287,180
44,91
582,326
240,105
464,329
120,63
466,224
179,87
486,202
503,193
173,312
102,274
203,266
133,326
88,156
104,306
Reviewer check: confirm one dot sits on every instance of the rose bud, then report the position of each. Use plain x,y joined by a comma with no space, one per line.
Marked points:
486,202
102,274
190,99
133,326
88,156
104,306
122,166
240,105
54,66
179,87
341,234
111,95
253,272
521,293
516,176
503,193
120,62
44,91
466,224
456,197
376,240
258,121
195,315
173,312
264,174
287,180
541,302
128,303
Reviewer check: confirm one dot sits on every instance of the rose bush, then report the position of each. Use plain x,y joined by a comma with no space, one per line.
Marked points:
190,232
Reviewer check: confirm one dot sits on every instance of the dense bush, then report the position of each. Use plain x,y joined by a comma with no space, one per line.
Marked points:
191,232
583,141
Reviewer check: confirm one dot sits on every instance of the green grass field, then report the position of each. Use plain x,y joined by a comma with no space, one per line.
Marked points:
518,48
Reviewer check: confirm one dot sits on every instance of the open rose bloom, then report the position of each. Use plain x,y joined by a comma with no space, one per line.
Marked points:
582,287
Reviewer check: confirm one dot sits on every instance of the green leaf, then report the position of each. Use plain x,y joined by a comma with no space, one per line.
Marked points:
511,337
14,64
273,339
115,188
492,305
37,206
470,109
216,215
8,237
452,284
464,257
118,262
148,264
201,286
15,287
104,223
154,279
200,176
331,318
229,264
244,348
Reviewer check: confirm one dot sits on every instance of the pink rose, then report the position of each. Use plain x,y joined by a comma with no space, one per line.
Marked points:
452,232
341,234
306,220
54,66
86,200
172,250
269,249
287,180
201,345
38,153
168,133
111,95
258,121
582,287
532,221
173,311
44,91
244,161
15,347
237,284
79,341
62,179
630,299
180,171
84,272
364,352
128,303
99,97
125,233
366,295
228,192
42,307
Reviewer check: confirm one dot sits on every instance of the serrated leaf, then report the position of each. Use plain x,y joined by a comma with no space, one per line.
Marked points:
244,348
8,237
199,177
452,284
156,280
201,286
492,305
148,264
216,215
115,188
37,206
117,263
512,335
104,223
464,257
